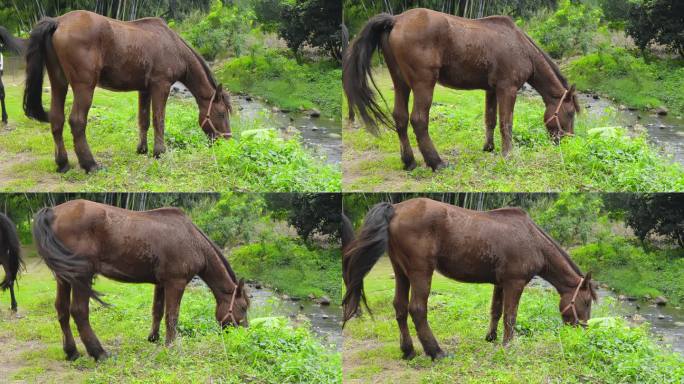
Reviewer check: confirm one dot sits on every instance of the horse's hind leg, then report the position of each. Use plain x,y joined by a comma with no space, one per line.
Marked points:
490,120
62,303
59,91
80,311
420,291
497,309
2,100
157,312
14,300
83,99
420,118
401,118
143,120
401,303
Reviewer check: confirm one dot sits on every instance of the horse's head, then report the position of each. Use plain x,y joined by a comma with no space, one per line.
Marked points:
215,117
233,311
575,305
559,117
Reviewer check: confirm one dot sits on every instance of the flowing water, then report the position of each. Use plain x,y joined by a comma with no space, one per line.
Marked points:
666,322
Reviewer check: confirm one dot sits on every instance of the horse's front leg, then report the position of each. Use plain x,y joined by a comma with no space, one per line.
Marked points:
496,310
144,100
2,100
420,291
506,99
157,312
401,304
511,298
490,121
160,95
173,293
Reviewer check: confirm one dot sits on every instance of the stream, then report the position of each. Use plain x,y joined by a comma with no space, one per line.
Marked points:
666,323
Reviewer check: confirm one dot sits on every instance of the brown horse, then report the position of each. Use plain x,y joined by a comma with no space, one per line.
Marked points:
501,247
10,256
80,239
84,50
423,47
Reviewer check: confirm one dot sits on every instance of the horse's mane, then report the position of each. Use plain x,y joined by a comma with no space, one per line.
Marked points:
550,61
204,64
223,259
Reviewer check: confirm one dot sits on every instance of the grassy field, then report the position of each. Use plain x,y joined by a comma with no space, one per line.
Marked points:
259,162
595,159
543,351
271,350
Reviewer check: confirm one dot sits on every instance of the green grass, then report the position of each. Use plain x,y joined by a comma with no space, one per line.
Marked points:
260,162
543,351
593,160
275,76
291,267
634,271
271,350
631,80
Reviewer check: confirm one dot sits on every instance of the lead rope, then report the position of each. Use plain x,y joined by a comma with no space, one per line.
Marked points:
207,119
572,302
555,114
230,308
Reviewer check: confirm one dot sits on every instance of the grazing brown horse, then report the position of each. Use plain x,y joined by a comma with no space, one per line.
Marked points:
80,239
11,44
503,247
85,50
423,47
10,256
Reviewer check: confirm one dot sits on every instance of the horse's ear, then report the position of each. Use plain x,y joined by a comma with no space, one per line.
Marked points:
573,89
241,284
587,280
219,89
573,97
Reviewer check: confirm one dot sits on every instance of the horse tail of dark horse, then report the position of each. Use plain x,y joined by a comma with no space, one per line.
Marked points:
362,254
65,264
357,67
10,42
12,250
39,43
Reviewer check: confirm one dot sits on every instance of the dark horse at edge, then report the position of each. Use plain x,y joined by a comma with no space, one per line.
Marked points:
10,256
86,50
81,239
503,247
422,47
11,44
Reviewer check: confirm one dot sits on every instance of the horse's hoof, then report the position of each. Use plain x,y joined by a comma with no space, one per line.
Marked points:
101,356
153,338
441,355
440,166
72,355
63,168
91,168
410,166
142,150
409,355
488,147
491,336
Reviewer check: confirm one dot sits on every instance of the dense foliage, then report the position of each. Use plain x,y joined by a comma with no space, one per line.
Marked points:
657,21
310,214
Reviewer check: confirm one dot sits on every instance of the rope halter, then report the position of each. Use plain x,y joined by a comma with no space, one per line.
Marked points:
207,119
572,302
555,115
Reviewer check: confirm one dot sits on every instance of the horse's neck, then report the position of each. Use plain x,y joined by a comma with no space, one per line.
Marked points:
197,81
558,270
544,79
217,277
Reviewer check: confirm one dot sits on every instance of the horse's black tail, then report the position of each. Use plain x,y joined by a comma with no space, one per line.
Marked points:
39,42
362,254
357,67
66,265
12,249
347,233
11,43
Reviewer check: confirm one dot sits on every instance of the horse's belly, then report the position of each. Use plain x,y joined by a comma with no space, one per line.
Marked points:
467,268
460,77
116,80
